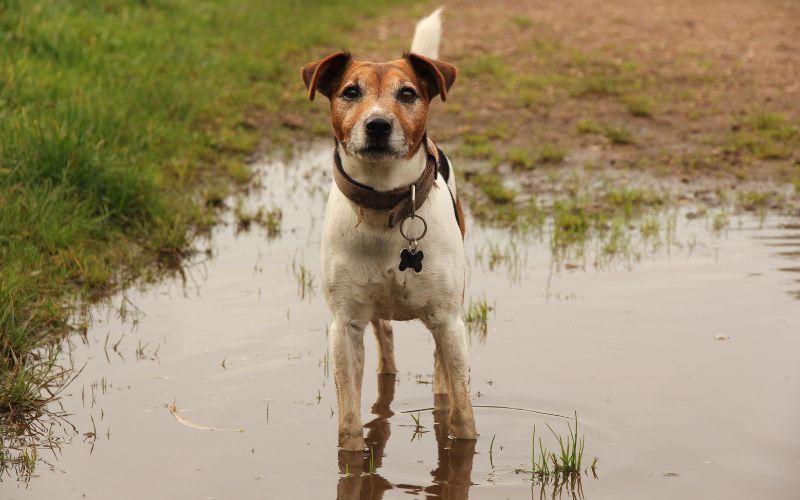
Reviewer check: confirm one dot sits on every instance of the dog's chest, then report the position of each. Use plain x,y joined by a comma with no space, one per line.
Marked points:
361,261
369,275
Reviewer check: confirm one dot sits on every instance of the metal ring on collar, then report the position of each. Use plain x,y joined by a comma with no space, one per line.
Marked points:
424,227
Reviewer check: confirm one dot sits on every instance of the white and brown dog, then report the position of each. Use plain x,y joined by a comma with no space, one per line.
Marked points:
391,186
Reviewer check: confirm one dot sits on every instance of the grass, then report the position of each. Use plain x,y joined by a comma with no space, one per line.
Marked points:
758,201
492,187
419,429
720,221
522,22
547,153
551,153
304,277
122,124
476,317
615,133
589,126
479,145
486,67
766,135
566,463
582,220
639,105
491,451
270,220
520,158
618,134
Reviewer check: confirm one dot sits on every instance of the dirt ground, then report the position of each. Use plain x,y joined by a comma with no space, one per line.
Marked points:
693,89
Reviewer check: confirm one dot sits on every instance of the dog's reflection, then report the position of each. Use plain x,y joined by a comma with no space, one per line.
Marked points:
451,478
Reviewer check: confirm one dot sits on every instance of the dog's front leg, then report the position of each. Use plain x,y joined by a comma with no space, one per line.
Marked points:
347,346
440,383
449,333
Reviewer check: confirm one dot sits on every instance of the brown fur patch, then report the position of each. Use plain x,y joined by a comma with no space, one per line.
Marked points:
462,224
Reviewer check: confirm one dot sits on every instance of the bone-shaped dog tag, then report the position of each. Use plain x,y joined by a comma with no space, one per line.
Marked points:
411,259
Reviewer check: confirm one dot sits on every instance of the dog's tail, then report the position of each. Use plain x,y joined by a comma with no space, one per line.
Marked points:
428,35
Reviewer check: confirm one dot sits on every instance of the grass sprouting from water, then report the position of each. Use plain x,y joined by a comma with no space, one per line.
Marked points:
476,317
567,463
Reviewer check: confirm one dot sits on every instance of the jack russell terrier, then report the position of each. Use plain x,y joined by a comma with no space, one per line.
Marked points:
392,242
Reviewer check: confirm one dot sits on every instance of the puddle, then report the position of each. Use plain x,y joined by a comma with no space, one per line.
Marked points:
682,367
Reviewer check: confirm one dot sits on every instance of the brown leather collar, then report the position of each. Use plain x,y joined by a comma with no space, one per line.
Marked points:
397,201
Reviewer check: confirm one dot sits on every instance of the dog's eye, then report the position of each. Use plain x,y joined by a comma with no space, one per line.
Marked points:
351,93
407,94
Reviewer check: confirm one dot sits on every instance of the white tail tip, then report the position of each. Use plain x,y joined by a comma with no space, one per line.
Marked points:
427,35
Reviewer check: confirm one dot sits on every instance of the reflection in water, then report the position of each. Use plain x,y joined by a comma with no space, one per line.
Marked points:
360,480
452,477
791,244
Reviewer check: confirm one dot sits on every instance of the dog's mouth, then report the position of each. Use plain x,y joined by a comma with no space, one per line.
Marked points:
377,152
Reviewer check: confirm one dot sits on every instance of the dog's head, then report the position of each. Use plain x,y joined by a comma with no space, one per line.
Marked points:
379,110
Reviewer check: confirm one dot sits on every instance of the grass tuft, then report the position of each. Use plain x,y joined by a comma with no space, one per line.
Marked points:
639,105
476,317
492,187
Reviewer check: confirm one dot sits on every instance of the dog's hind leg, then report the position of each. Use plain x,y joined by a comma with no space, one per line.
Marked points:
449,333
385,337
347,347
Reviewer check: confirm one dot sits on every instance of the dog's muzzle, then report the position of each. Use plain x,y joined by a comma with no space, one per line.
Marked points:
378,134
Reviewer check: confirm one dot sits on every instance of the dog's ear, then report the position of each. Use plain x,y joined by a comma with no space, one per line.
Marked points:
324,75
437,76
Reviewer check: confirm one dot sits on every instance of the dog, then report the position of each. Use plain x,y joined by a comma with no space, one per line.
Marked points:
392,242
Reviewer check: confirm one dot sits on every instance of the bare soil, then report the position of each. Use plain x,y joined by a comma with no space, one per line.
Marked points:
697,89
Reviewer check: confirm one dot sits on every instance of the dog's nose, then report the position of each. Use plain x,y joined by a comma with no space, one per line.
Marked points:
378,126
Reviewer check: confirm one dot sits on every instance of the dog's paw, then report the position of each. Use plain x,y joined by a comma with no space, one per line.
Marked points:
351,441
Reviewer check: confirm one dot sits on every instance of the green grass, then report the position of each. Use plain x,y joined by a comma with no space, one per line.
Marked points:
486,66
520,158
492,187
547,153
759,201
767,136
550,153
589,126
567,462
639,105
522,22
478,145
618,134
122,126
476,318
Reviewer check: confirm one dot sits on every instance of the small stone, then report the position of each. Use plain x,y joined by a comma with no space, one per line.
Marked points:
721,337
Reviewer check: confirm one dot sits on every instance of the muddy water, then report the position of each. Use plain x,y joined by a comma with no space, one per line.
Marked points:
682,367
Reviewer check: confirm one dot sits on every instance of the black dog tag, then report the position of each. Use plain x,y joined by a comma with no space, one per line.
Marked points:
411,259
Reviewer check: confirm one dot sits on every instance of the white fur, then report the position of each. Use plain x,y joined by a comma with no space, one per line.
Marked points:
427,35
362,284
